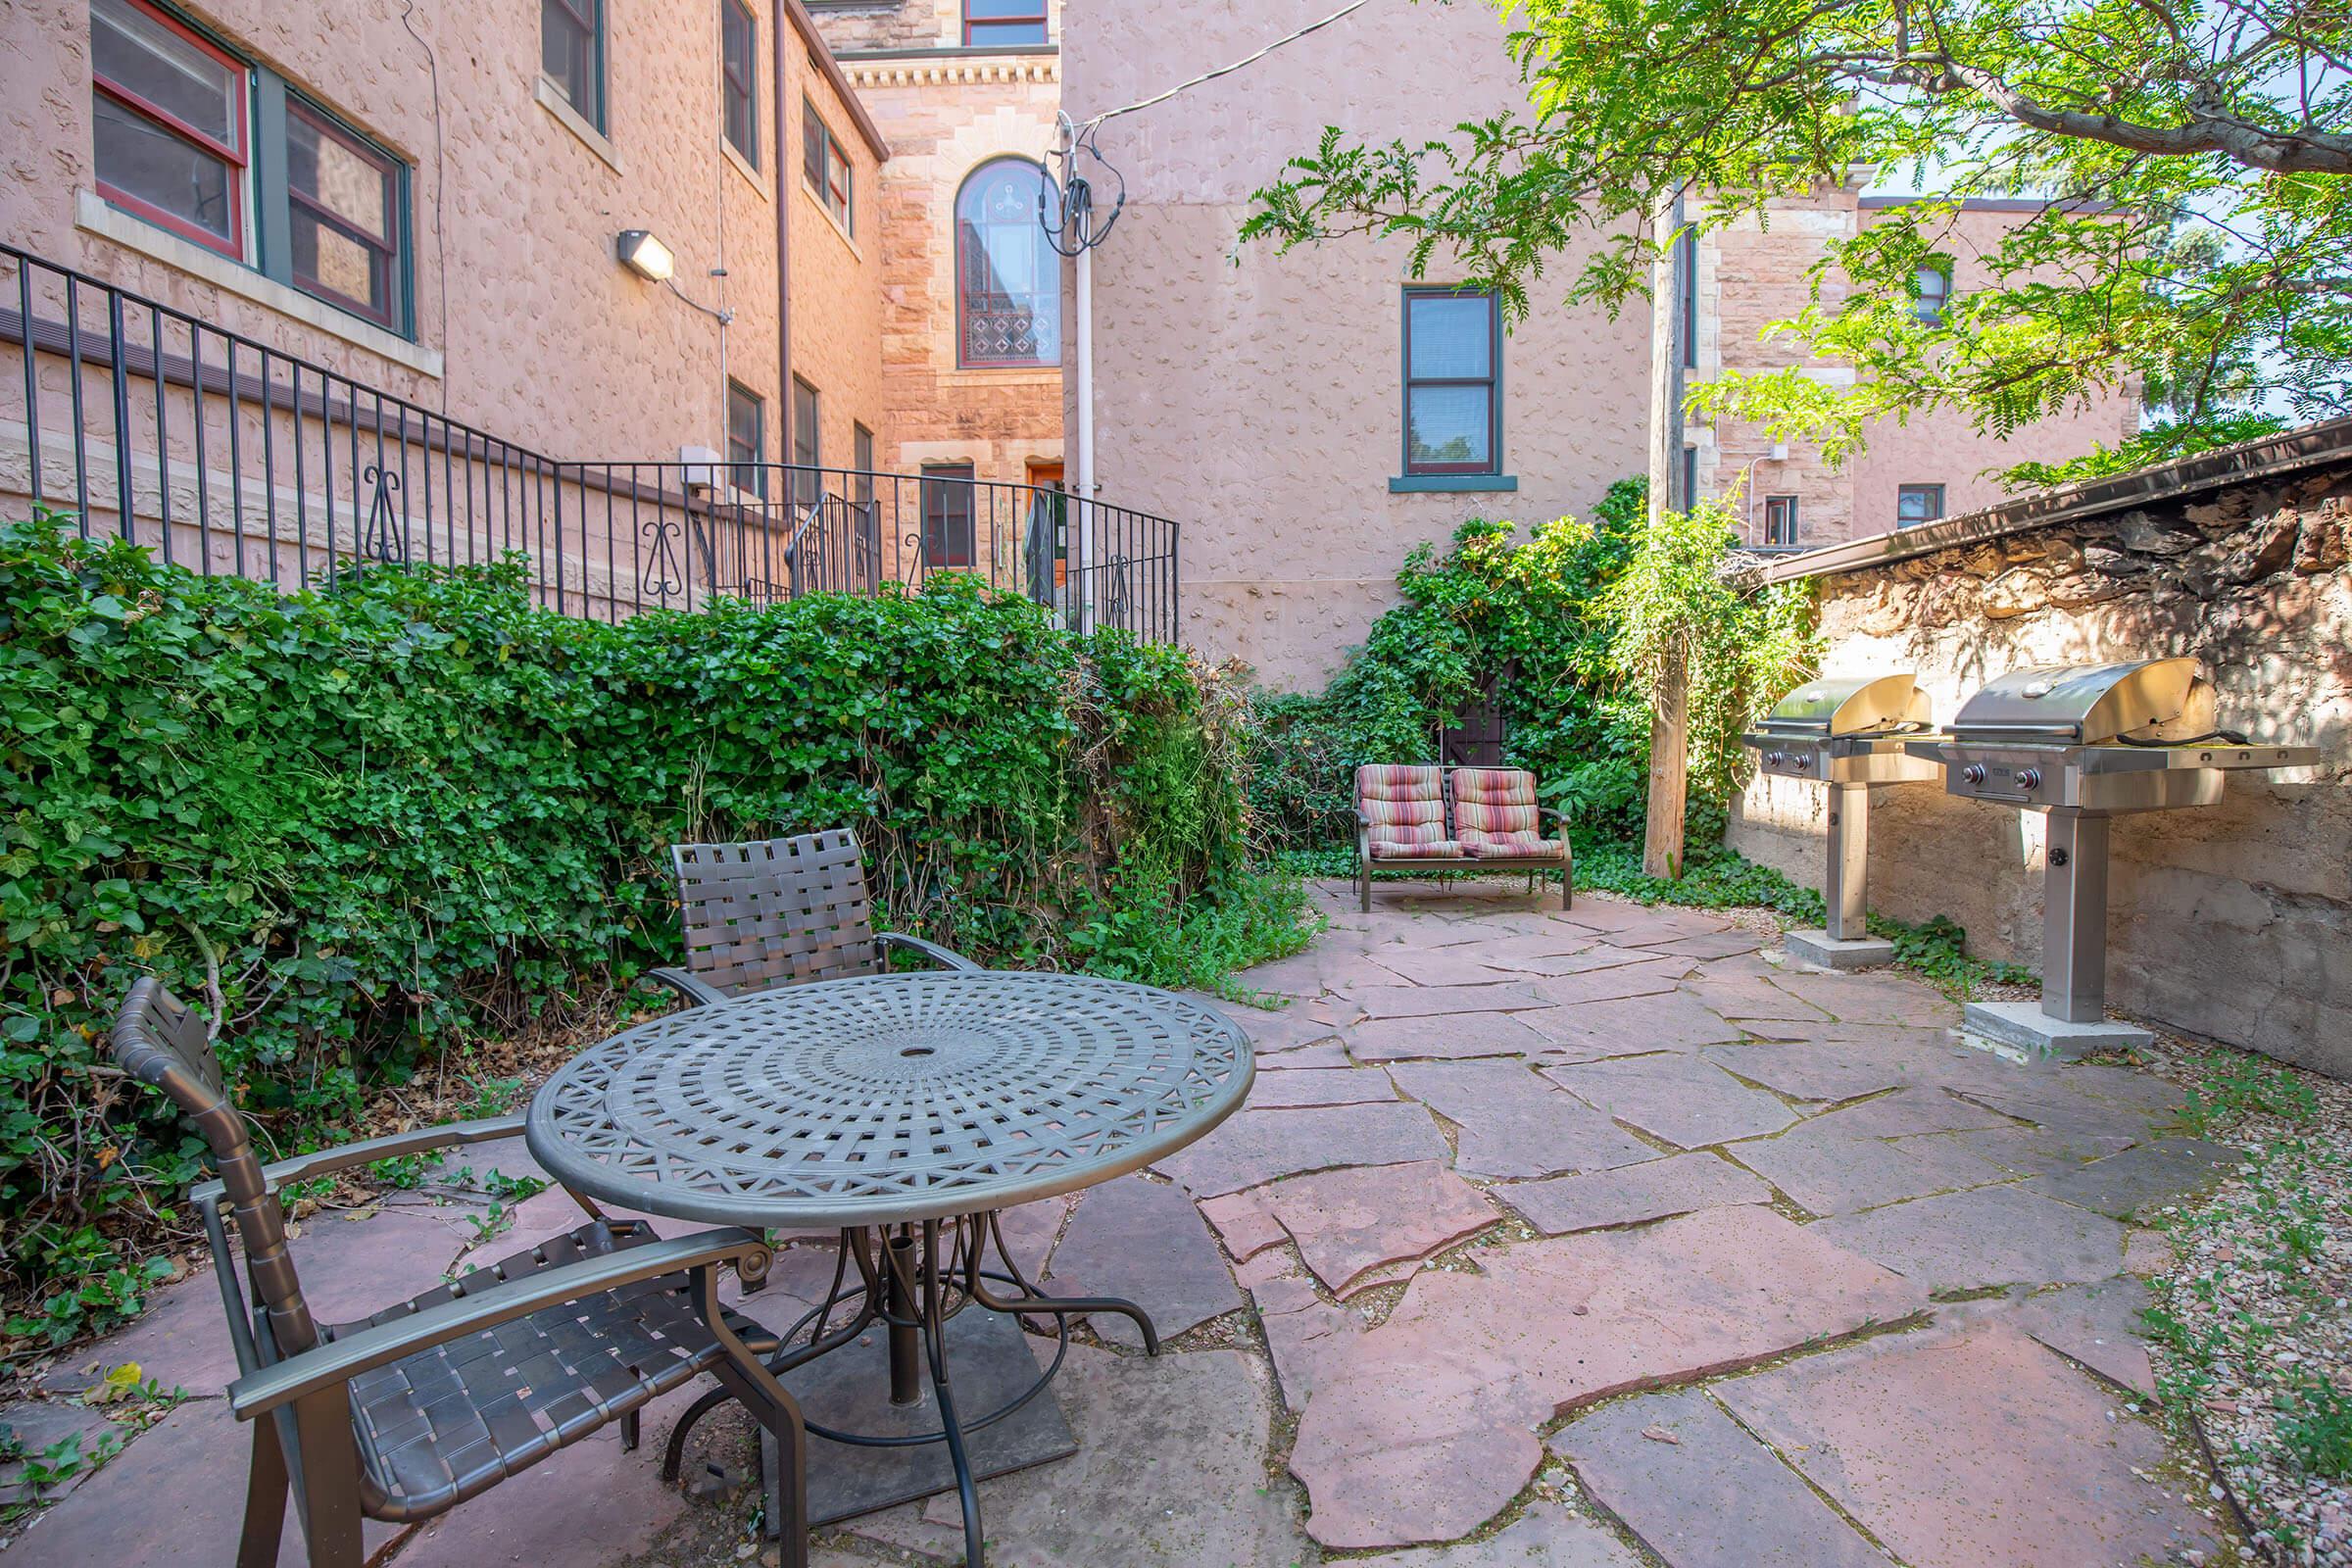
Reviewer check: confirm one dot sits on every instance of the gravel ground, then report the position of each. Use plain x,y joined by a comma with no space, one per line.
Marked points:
2252,1336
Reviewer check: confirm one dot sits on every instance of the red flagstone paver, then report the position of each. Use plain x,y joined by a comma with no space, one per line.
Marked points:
1906,1111
1505,995
1892,998
1329,1052
2140,1090
351,1269
1555,940
1546,1536
1305,1340
1350,1221
1746,996
1513,1123
1168,1471
1679,1184
1463,1035
2097,1324
1828,1172
1287,1030
2057,1106
1146,1243
176,1498
1810,1069
1991,1236
1702,1493
2148,1253
1244,1222
1464,965
1710,943
1629,925
1424,1428
1671,1022
39,1425
2159,1172
1677,1097
1964,1449
1641,977
1321,1086
1259,1145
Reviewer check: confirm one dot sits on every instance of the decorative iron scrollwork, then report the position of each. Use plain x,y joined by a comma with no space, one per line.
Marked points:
383,537
660,573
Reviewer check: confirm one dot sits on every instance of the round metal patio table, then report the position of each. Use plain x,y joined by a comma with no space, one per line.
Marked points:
905,1110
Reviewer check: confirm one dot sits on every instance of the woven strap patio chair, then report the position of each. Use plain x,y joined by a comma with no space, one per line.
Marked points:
779,913
1454,820
406,1414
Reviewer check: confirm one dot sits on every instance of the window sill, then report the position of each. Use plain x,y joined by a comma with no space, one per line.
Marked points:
838,227
94,215
1451,483
746,168
551,98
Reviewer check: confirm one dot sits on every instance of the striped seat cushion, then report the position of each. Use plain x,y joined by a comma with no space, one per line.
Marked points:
1405,809
1515,845
1494,813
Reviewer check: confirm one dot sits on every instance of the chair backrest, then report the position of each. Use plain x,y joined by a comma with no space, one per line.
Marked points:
1403,805
775,911
1494,801
159,1042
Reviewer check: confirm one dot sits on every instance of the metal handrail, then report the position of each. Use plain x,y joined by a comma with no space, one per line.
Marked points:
231,455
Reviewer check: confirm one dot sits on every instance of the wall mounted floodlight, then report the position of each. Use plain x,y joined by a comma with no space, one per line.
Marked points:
641,253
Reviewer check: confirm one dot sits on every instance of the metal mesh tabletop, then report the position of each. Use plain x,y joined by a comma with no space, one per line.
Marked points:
889,1097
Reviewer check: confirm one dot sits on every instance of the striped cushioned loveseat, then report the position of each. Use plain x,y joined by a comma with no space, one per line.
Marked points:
1411,818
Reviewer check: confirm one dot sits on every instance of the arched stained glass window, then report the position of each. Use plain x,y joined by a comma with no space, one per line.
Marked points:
1007,277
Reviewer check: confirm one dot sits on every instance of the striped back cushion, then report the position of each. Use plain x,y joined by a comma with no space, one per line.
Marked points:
1494,801
1403,805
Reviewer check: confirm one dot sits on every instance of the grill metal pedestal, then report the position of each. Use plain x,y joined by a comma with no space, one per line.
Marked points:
2081,744
1848,734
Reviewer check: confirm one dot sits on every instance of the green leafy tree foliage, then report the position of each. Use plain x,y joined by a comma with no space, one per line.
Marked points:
1544,618
2192,158
367,826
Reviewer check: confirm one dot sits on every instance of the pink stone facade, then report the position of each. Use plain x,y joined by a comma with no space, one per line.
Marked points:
1258,397
524,323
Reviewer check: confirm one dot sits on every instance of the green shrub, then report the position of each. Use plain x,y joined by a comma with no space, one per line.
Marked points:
368,825
1550,620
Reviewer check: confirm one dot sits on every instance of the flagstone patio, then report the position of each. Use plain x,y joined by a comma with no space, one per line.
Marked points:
1588,1240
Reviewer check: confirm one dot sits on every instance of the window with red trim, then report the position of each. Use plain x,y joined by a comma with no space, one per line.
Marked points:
171,124
345,233
989,24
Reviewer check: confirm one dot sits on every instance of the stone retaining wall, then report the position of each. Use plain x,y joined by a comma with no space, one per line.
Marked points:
2232,921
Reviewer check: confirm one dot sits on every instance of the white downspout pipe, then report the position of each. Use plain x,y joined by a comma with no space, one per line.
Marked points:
1084,301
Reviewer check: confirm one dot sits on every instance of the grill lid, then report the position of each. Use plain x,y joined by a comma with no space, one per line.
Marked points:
2084,705
1853,705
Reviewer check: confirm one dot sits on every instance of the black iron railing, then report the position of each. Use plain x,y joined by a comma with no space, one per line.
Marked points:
228,456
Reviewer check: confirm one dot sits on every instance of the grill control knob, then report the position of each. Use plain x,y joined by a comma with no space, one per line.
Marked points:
1776,760
1973,773
2029,778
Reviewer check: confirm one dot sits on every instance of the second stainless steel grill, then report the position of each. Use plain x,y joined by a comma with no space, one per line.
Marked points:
2084,743
1848,733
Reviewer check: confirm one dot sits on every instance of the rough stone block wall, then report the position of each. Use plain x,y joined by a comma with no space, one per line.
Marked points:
2232,921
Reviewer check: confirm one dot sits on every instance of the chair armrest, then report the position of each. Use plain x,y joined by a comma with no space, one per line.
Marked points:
340,1360
350,1156
929,950
695,993
1560,817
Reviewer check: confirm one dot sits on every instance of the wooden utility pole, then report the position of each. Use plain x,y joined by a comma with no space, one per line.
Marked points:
1670,699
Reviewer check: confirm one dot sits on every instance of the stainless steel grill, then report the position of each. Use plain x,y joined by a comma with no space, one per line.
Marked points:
2084,743
1848,734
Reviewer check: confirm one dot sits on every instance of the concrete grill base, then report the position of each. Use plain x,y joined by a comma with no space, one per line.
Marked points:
2025,1025
1820,948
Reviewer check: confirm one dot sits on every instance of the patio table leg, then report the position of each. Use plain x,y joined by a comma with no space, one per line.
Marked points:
935,1328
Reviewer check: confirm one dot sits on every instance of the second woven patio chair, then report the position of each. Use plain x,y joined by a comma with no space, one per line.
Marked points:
405,1414
779,913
